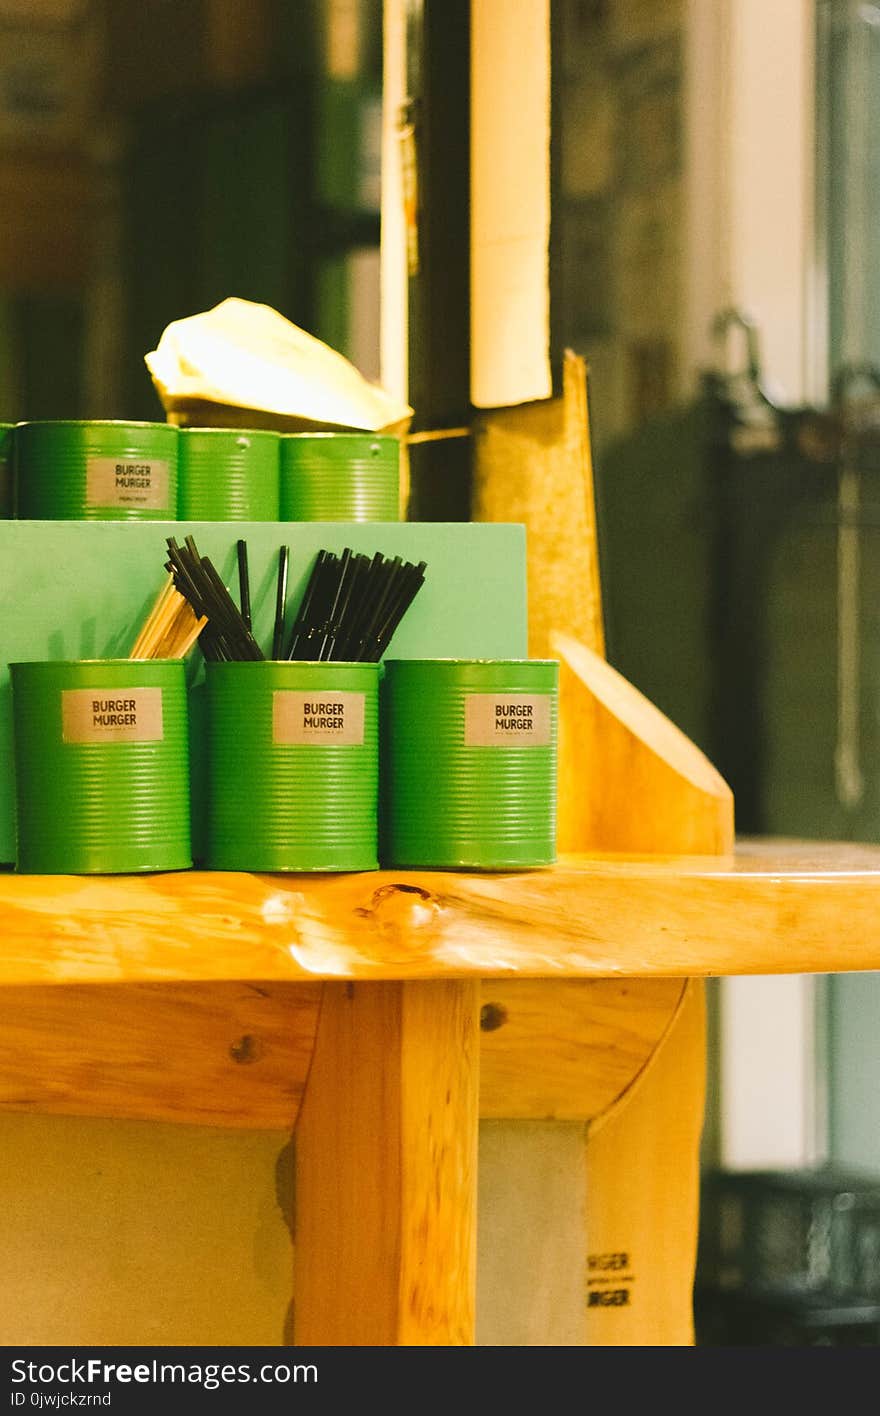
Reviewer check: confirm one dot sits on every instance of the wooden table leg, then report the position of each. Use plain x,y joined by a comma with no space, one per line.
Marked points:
386,1168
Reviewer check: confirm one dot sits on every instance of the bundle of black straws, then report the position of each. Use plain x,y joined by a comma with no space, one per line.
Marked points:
352,605
227,634
349,611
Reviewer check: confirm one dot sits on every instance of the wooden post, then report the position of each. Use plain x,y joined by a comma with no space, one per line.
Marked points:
386,1168
533,464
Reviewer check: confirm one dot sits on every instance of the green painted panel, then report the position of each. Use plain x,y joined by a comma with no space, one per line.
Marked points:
82,589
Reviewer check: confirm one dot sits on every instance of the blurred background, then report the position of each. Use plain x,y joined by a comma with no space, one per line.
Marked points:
720,184
715,258
155,158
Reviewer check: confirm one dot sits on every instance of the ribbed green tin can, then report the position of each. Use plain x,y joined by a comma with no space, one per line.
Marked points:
7,507
101,766
469,763
292,778
102,470
228,474
340,477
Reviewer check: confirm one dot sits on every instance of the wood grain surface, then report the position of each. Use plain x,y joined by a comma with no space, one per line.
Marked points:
642,1162
767,907
629,779
565,1049
386,1166
533,465
210,1054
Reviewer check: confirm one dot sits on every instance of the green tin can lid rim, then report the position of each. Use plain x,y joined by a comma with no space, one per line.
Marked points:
231,432
494,663
213,664
93,423
348,435
88,663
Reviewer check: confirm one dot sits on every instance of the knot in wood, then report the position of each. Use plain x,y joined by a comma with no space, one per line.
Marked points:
400,910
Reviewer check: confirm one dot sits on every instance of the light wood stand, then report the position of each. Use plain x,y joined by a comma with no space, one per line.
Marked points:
382,1015
145,996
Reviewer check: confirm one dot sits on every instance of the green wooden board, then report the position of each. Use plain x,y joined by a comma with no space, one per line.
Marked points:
81,590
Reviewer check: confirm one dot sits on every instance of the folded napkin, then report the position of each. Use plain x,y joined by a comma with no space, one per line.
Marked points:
244,364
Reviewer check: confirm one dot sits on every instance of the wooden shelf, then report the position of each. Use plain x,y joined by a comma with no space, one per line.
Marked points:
770,907
195,996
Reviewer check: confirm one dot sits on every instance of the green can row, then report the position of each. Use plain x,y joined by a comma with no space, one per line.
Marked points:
310,766
110,470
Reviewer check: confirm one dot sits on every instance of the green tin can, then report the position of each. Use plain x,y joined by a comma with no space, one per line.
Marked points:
7,500
469,763
292,778
101,766
340,477
102,470
228,474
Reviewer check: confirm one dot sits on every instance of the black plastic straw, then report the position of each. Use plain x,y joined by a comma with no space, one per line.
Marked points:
332,622
280,602
415,576
304,626
244,588
242,641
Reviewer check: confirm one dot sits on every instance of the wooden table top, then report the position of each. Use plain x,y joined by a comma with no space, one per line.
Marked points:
772,906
